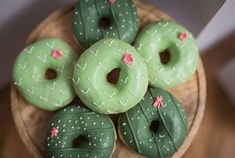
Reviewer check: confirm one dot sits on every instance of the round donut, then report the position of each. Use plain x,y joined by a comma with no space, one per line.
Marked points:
169,51
43,73
77,132
94,20
93,67
156,127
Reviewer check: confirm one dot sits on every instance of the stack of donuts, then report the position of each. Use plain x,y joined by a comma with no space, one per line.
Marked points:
123,71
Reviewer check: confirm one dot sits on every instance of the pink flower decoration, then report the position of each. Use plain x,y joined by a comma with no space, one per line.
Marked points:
111,1
158,102
56,54
54,132
127,59
183,36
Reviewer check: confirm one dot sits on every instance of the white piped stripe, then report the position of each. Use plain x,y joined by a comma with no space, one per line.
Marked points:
81,67
29,50
43,59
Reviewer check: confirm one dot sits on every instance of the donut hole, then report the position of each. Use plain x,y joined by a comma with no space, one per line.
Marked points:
104,22
113,76
154,126
165,57
50,74
79,141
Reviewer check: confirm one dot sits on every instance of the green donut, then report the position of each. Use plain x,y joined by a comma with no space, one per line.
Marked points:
97,19
178,42
90,77
77,132
42,73
156,127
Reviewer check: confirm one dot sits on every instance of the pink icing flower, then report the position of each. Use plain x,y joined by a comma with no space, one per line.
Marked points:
183,36
56,54
127,59
54,132
111,1
158,102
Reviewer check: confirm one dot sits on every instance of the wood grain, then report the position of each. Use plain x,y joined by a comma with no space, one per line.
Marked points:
31,121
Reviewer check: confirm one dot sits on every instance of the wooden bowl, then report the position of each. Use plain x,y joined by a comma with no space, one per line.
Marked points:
32,122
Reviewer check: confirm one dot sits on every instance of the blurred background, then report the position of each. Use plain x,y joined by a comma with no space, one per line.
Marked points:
212,23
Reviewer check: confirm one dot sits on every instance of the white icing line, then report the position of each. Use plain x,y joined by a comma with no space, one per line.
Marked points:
109,43
112,94
180,45
124,81
132,92
44,98
123,103
18,83
153,81
167,81
163,23
94,53
99,104
161,136
81,67
35,78
138,77
31,91
152,45
85,92
52,87
43,59
29,51
160,70
76,81
147,60
50,45
61,69
62,91
58,104
101,65
23,67
139,46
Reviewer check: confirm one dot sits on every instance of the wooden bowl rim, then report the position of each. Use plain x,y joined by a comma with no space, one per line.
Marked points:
27,140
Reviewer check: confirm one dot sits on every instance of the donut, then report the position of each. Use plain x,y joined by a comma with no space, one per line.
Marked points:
77,132
156,127
94,20
169,51
43,73
96,63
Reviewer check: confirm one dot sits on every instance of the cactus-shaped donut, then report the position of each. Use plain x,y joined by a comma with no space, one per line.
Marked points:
156,127
94,20
78,132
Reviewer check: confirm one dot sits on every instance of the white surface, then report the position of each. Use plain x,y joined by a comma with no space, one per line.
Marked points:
226,77
219,27
193,14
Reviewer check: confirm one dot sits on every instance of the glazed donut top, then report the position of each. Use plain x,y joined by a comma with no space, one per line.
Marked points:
97,19
156,127
92,68
76,131
168,36
30,76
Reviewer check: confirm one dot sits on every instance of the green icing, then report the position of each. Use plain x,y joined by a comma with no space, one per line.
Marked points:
30,79
124,22
134,125
74,121
90,73
164,35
